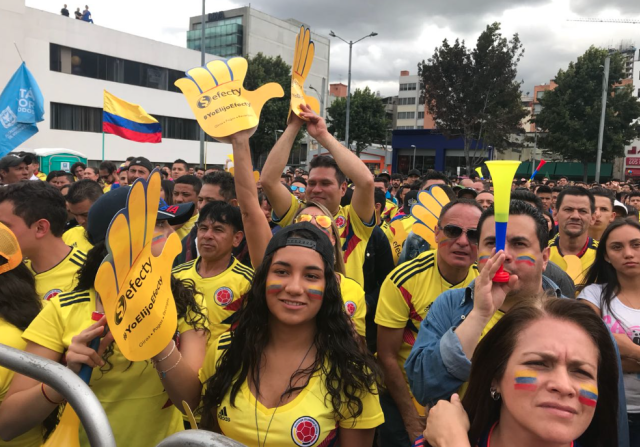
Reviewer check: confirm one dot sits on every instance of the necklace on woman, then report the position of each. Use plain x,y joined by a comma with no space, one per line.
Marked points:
264,441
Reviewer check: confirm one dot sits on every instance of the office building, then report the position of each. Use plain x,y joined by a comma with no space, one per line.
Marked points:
246,32
73,62
410,109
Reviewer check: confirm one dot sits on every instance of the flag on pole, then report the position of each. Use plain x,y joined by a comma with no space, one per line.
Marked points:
21,107
129,121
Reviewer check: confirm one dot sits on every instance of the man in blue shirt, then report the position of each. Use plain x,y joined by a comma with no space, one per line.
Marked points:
86,15
439,364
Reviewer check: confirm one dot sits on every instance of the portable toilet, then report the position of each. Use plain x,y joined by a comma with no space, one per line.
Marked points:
58,159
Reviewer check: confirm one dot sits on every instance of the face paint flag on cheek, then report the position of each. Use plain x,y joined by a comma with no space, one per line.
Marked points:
274,287
315,294
483,257
526,380
588,395
502,173
526,259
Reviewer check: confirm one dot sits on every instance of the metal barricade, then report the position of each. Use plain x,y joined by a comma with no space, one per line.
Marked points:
198,438
67,383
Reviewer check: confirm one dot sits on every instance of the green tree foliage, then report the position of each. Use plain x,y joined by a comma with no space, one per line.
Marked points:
262,70
474,93
367,119
571,112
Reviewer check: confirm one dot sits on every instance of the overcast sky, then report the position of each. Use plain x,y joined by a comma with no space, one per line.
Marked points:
408,30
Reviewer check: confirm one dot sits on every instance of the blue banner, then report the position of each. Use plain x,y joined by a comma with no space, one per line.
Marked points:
21,107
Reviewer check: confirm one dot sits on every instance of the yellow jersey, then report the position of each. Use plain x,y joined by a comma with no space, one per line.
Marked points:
390,210
354,303
61,278
187,226
12,336
307,420
77,237
131,393
354,236
407,294
42,176
386,229
223,293
586,256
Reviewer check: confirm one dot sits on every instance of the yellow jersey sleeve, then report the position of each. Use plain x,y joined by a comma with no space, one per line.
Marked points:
371,416
354,303
76,237
287,219
214,352
47,329
392,311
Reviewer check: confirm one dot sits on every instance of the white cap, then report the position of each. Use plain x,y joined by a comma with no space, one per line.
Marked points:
619,204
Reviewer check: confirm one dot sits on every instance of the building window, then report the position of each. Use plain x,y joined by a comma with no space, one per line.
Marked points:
407,87
221,37
420,115
89,119
405,127
539,94
406,115
99,66
406,101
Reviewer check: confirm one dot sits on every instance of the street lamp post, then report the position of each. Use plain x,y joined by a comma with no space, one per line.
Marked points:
603,112
202,63
350,43
414,156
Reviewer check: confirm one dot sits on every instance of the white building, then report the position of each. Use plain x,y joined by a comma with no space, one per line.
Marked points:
246,32
410,110
74,61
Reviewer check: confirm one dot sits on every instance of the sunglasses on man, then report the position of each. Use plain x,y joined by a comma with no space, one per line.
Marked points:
453,232
298,188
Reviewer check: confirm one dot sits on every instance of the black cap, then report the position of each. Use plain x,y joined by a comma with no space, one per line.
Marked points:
13,160
464,191
107,206
385,174
320,242
141,161
414,172
410,199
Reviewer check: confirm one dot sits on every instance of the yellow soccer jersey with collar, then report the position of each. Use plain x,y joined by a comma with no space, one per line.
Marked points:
131,393
354,236
308,420
407,294
12,336
390,210
222,293
61,278
77,237
586,258
187,226
354,303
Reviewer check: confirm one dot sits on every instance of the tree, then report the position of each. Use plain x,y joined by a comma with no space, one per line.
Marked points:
474,94
261,70
571,112
367,119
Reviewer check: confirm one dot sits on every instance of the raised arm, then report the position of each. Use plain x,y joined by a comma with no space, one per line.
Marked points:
362,201
278,194
257,230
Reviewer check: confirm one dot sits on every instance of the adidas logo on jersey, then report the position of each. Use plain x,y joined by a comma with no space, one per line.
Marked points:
222,415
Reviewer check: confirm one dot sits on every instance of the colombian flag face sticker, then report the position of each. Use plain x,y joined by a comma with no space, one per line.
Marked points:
588,395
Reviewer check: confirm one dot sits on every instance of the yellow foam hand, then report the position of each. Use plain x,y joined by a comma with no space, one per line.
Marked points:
133,284
427,213
219,101
302,61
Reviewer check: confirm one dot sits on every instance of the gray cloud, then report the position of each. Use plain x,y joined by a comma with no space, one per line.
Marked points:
592,7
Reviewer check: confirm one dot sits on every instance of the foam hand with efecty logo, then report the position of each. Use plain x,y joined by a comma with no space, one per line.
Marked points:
302,60
219,101
133,284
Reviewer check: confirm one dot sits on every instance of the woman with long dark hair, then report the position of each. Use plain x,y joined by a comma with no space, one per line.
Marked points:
19,305
132,393
545,375
612,285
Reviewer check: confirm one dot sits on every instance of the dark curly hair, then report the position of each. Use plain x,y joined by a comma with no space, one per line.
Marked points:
184,294
349,370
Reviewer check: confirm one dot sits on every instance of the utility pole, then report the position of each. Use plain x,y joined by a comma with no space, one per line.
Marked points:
605,91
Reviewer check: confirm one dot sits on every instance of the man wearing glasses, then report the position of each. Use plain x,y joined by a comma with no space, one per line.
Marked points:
405,298
299,187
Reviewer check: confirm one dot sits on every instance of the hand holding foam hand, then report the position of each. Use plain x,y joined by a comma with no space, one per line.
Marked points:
220,103
302,61
448,424
134,285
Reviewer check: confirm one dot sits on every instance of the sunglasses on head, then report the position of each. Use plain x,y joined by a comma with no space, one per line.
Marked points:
298,188
453,232
322,221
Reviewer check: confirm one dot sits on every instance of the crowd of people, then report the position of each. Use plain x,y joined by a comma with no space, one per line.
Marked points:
303,318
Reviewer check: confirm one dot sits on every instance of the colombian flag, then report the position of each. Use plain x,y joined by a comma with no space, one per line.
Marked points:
129,121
